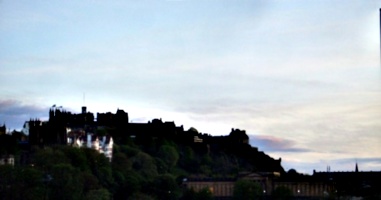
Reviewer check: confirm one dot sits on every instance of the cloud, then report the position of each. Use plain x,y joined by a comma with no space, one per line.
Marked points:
306,134
275,144
140,120
374,160
14,113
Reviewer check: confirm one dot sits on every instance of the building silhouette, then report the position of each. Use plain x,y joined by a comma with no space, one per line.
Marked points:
3,129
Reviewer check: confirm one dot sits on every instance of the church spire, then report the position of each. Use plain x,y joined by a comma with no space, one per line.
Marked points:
357,168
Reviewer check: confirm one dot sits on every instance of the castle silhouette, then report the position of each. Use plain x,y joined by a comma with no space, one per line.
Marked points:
83,129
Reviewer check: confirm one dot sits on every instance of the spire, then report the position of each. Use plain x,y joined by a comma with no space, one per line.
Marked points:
357,168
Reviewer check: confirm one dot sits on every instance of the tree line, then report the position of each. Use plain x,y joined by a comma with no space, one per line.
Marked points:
153,169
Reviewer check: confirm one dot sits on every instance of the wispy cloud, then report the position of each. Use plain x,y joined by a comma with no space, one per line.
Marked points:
275,144
14,113
374,160
308,134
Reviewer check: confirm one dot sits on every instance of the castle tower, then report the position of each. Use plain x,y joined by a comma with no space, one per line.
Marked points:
84,110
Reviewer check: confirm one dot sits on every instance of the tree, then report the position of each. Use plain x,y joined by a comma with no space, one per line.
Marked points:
144,164
7,179
193,130
204,194
101,194
29,183
165,187
48,157
127,185
100,167
128,150
21,183
77,157
90,182
66,183
120,163
140,196
169,155
161,166
223,164
246,189
189,194
282,193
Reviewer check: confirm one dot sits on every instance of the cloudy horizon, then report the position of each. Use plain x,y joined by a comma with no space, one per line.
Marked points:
302,78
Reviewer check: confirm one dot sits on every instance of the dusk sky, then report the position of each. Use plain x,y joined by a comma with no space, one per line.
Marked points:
303,78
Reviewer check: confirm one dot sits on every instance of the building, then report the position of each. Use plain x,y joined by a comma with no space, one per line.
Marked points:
354,183
223,188
26,128
220,188
103,145
65,128
7,160
3,130
307,189
320,185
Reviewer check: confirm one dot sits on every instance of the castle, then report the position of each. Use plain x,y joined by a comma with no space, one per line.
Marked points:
65,128
100,133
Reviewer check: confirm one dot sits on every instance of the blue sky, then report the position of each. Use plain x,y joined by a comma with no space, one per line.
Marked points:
301,77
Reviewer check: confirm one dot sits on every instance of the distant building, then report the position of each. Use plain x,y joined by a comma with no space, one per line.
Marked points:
355,183
223,188
75,129
7,160
3,130
103,145
26,128
34,129
196,139
120,118
321,185
306,189
219,187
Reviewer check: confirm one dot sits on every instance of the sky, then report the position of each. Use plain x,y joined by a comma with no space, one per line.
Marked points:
303,78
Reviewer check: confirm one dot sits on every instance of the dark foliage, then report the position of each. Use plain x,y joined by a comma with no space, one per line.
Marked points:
148,166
